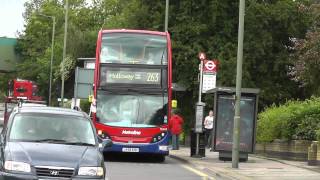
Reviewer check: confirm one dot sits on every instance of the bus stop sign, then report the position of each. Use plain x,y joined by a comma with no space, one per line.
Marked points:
210,66
202,56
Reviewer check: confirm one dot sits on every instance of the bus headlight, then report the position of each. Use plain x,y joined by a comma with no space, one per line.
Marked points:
158,137
163,148
103,135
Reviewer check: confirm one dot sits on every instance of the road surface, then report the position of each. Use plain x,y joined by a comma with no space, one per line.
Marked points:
145,168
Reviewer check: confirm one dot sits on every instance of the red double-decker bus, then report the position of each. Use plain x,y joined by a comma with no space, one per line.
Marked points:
17,90
132,90
23,89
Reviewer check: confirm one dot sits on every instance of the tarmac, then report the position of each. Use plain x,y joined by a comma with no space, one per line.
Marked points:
257,167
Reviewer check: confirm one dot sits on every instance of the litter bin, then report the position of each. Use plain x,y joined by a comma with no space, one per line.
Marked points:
193,144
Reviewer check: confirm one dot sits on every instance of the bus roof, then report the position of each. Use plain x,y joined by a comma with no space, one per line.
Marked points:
134,31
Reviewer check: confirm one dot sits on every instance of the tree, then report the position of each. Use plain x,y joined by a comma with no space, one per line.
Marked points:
203,25
211,26
34,43
307,57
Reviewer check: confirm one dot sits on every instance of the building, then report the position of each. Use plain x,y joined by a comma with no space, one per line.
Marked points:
8,55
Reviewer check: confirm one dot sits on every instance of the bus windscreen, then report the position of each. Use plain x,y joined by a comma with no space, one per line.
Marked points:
132,110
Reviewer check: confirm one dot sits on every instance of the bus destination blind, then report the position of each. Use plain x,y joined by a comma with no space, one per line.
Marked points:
130,76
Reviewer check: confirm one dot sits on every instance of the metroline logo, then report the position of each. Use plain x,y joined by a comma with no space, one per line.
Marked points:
131,132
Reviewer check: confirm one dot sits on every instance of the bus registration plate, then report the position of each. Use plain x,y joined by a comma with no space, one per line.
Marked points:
130,149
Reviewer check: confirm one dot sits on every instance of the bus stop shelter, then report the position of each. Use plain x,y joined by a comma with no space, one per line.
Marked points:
224,107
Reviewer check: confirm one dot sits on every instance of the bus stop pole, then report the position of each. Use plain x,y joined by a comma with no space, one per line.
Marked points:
199,101
236,126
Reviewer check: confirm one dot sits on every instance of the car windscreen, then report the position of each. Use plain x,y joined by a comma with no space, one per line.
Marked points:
132,110
57,128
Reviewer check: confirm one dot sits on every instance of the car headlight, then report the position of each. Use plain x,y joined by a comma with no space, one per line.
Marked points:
90,171
17,166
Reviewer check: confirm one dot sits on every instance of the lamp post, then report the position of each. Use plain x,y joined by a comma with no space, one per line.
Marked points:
236,126
52,47
64,52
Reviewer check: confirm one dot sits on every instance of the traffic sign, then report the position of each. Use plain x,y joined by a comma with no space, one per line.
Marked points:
202,56
210,66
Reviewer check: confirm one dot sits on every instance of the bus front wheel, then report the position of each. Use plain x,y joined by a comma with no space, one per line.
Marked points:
160,158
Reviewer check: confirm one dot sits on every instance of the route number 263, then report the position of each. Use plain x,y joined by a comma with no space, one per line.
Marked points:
152,77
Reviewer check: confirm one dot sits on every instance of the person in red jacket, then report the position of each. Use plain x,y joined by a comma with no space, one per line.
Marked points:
175,127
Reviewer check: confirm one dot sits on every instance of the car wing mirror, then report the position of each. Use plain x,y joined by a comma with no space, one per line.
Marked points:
106,143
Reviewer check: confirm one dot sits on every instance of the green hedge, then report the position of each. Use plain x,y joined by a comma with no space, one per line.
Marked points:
85,105
293,120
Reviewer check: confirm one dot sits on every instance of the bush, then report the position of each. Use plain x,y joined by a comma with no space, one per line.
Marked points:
85,105
318,134
67,104
2,96
293,120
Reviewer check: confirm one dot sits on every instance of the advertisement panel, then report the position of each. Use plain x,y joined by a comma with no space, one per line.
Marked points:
199,117
225,118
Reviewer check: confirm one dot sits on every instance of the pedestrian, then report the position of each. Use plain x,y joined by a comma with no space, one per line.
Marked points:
175,127
208,126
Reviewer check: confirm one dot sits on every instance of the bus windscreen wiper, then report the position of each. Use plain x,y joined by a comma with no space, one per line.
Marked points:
164,49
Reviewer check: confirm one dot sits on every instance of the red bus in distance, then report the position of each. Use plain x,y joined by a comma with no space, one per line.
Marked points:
23,89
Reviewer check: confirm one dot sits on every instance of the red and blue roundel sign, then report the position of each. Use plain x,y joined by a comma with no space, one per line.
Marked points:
210,66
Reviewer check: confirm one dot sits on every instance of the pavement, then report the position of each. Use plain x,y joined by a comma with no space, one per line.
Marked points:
257,167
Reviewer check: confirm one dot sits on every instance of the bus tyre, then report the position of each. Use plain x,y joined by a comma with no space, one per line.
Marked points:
161,158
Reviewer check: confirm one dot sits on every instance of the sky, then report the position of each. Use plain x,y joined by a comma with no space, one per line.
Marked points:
11,19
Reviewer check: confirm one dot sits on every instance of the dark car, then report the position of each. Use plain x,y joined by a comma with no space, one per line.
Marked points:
50,143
